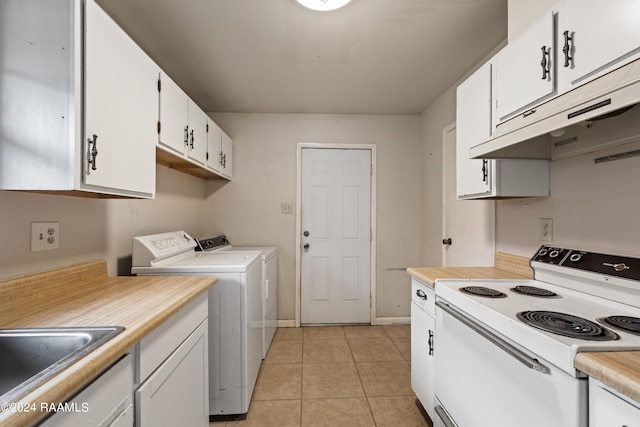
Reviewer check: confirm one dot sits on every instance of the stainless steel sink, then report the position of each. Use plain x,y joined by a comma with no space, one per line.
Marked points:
29,357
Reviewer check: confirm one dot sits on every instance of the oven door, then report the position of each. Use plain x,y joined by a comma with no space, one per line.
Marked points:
482,379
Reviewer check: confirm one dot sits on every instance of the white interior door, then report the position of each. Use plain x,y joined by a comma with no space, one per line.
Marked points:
336,236
469,224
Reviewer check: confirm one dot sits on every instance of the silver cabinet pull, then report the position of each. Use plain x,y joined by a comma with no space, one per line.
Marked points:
514,352
546,62
567,48
93,151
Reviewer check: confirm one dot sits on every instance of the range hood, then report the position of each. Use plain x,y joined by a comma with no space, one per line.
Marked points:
535,135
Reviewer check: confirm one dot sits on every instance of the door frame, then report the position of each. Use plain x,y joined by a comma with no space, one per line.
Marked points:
492,230
298,281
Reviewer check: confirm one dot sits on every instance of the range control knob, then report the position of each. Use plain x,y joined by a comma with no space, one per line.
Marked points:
576,257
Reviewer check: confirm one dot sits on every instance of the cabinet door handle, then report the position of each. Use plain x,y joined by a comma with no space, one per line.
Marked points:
192,139
567,48
546,63
485,170
93,151
430,342
420,293
186,136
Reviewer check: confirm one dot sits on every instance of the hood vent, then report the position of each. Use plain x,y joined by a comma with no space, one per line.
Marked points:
537,135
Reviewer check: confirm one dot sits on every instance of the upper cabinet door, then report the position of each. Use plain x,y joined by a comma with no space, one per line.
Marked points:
121,108
473,118
197,142
600,36
524,70
214,139
226,168
174,116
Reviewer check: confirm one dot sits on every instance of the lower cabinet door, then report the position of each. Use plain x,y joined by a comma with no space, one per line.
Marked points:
177,393
422,373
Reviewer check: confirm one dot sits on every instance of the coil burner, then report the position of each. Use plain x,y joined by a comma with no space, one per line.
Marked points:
534,291
625,323
567,325
481,291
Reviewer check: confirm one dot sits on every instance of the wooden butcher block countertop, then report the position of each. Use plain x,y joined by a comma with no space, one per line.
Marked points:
619,370
83,295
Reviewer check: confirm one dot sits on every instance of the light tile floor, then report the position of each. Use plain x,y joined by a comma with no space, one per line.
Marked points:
335,376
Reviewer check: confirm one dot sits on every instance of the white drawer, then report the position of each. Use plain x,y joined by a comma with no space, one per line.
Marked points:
159,344
423,295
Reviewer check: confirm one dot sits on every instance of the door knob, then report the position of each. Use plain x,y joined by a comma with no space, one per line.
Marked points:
306,233
447,241
306,247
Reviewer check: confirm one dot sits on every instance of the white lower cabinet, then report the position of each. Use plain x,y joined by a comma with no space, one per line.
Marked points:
607,408
422,344
173,371
105,402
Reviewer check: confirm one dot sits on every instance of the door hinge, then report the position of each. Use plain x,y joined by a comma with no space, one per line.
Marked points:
159,85
159,127
207,127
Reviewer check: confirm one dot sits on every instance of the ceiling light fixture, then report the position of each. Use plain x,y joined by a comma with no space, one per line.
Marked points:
323,5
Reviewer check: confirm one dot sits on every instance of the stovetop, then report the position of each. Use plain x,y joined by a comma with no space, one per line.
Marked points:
576,294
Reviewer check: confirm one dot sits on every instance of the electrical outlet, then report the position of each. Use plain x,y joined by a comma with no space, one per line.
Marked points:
545,229
44,236
286,208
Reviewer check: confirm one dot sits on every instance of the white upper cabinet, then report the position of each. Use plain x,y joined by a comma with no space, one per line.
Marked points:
197,138
83,102
524,70
174,116
214,160
595,37
473,117
188,140
227,156
478,178
120,107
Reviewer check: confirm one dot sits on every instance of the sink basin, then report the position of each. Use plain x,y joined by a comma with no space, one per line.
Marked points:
29,357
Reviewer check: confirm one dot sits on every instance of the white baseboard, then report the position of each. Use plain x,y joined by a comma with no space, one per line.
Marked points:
286,323
379,321
393,321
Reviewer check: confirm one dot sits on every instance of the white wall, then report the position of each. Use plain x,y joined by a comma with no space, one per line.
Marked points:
593,206
247,209
522,13
95,228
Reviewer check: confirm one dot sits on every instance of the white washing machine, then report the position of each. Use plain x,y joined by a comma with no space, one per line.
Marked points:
235,312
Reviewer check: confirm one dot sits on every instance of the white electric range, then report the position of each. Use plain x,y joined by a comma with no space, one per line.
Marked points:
505,349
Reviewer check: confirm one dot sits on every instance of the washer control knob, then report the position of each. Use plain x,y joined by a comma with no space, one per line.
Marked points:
554,254
543,252
575,257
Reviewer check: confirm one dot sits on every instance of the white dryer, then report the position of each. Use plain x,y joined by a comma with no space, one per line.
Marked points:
235,311
269,256
269,281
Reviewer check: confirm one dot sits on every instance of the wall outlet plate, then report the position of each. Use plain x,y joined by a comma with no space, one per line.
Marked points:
545,229
44,236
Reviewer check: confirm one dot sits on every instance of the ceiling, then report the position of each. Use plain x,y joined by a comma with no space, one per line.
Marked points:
275,56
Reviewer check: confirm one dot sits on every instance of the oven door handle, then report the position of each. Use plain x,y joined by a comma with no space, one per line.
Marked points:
444,417
514,352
